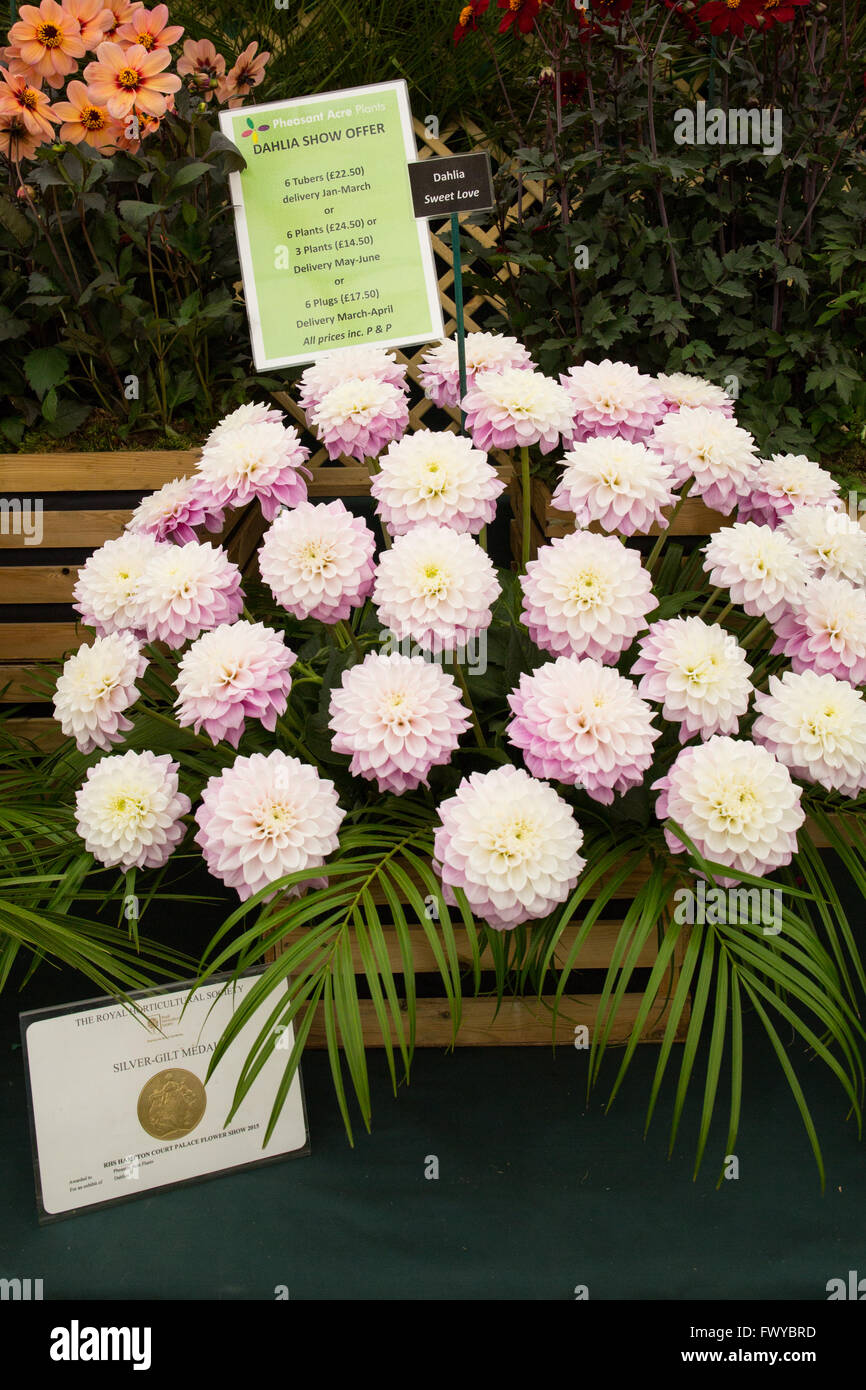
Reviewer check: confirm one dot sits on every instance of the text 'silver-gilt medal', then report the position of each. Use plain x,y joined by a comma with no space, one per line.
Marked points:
171,1103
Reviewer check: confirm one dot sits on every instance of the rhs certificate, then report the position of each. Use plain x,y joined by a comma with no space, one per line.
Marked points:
330,249
119,1103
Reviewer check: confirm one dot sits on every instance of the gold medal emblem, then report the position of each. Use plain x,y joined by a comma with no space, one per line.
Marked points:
171,1103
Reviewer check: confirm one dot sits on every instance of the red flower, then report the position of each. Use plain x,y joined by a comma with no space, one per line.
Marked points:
611,9
731,16
779,11
523,12
685,17
468,18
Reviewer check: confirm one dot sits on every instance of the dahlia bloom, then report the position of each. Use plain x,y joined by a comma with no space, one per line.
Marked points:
247,72
435,476
150,29
236,672
736,803
613,398
706,446
84,121
732,16
203,66
511,843
95,20
360,417
186,590
48,40
264,461
682,389
364,363
435,586
396,717
622,486
19,96
764,570
16,141
124,78
129,809
319,561
515,408
816,726
825,630
830,541
783,483
96,687
106,591
697,672
121,12
586,595
266,816
439,370
252,413
173,511
583,724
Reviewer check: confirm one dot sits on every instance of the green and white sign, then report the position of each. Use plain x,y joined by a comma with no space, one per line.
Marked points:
331,252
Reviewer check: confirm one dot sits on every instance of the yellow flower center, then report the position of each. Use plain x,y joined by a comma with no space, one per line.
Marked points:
129,78
130,809
586,588
48,35
465,16
433,581
274,819
146,40
515,840
92,118
316,555
735,805
29,98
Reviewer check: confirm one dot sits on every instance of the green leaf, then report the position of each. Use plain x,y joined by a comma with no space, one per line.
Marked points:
44,368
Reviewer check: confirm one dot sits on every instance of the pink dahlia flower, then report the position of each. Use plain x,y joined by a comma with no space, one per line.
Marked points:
251,413
396,717
586,595
708,449
360,417
620,485
264,461
762,569
816,726
319,561
697,672
96,687
516,408
129,809
583,724
186,590
830,541
682,389
825,630
736,803
439,372
266,816
364,363
511,844
435,586
783,483
234,673
106,591
173,512
435,476
613,398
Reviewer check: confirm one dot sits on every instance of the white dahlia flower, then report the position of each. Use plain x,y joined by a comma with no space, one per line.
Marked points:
708,448
396,717
106,591
762,568
439,372
511,843
436,586
583,724
830,541
825,630
238,671
266,816
185,590
816,726
697,673
622,486
363,363
784,482
359,417
264,461
96,687
129,809
435,476
586,595
318,561
613,398
173,511
682,389
252,413
515,407
736,803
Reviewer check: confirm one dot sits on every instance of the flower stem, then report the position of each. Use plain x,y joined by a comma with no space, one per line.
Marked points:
526,496
349,637
460,677
657,548
710,601
293,739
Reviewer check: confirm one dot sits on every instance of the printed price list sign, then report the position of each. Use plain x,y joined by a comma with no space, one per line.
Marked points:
331,252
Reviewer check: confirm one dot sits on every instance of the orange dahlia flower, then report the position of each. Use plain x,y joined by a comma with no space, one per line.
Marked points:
20,96
48,40
248,72
16,142
84,121
124,78
203,65
150,28
122,12
94,18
